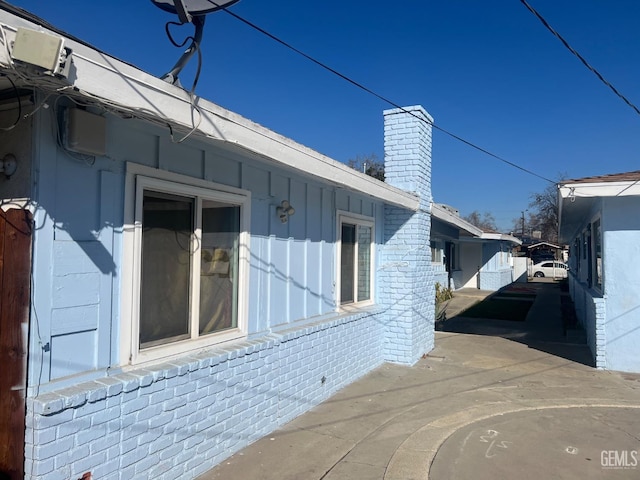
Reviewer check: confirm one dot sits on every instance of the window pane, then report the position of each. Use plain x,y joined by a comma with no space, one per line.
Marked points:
364,263
347,263
219,267
597,231
167,224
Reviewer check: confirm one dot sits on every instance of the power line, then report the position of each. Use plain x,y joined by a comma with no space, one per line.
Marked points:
375,94
573,51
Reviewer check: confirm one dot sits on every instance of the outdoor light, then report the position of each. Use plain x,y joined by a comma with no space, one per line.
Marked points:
284,211
8,165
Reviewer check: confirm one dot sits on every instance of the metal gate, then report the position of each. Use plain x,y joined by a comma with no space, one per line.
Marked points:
15,279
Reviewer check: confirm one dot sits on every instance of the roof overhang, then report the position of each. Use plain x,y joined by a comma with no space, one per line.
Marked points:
501,237
122,88
599,189
577,200
465,228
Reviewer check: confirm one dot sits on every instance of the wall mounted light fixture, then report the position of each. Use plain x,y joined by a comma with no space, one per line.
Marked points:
8,165
284,211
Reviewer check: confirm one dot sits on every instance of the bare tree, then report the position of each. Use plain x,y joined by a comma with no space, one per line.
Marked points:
369,164
543,212
485,221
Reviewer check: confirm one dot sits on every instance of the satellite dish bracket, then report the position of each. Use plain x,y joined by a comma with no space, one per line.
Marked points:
172,75
181,10
189,11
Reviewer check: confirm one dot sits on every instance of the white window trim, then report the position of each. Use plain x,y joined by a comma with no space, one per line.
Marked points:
137,179
354,218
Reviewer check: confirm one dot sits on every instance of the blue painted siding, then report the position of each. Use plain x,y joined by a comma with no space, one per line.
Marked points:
178,418
292,268
621,262
496,271
609,314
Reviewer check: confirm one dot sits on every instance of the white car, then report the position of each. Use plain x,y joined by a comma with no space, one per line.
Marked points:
550,268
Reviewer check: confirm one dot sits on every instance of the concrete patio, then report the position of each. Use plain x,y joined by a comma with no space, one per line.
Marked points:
507,400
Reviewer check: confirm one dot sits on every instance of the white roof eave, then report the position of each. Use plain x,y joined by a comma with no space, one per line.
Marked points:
448,217
119,86
501,236
600,189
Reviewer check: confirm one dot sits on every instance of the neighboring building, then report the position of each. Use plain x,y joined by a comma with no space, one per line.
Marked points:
464,256
172,305
599,221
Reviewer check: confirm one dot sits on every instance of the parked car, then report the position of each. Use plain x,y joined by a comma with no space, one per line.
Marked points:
550,268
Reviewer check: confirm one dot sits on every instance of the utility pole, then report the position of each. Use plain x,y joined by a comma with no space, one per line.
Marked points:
523,224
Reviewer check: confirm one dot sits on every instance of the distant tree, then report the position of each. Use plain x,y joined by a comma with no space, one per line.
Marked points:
485,221
543,208
368,164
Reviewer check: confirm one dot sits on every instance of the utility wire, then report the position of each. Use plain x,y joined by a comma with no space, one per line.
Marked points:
582,59
371,92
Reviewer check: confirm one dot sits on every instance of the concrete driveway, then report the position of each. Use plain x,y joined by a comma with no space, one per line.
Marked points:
503,402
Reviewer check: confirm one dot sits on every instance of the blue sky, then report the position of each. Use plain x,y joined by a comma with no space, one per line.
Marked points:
487,71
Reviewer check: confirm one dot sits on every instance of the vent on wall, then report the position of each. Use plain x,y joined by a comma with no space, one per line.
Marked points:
86,132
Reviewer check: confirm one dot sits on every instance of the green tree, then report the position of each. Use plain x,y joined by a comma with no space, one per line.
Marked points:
368,164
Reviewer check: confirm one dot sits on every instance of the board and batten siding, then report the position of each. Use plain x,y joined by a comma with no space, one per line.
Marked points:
78,243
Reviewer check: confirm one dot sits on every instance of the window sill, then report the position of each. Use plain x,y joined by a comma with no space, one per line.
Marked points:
321,322
162,353
355,307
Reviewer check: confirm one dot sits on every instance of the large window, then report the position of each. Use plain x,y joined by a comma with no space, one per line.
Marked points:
190,251
355,253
